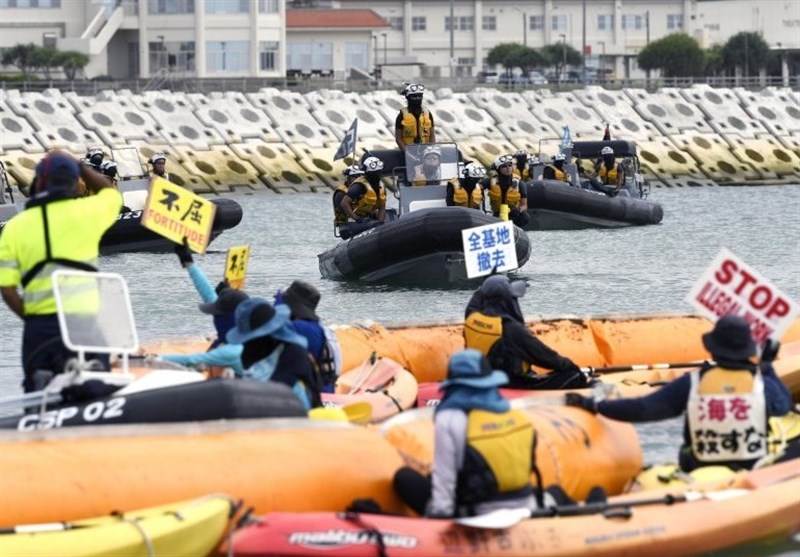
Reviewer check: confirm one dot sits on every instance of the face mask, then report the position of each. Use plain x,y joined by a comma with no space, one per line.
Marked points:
414,104
608,160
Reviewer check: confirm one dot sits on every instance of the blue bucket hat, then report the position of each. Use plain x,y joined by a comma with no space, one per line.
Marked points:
256,317
470,368
730,339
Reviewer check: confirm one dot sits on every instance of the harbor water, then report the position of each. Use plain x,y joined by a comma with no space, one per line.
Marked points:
591,272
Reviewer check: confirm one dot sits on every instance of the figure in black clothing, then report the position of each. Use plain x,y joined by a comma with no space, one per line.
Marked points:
494,325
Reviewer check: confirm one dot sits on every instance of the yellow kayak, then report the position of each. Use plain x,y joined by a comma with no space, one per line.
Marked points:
192,528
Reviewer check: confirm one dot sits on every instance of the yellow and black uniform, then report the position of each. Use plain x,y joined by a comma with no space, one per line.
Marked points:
552,172
415,128
524,174
510,196
339,216
365,199
460,196
608,175
497,460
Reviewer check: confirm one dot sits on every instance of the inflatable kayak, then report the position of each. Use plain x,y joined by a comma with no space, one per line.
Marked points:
754,507
190,528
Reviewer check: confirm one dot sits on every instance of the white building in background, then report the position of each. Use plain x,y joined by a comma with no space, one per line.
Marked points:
406,38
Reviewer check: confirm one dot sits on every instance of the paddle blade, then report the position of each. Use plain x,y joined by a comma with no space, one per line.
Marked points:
358,412
328,414
495,520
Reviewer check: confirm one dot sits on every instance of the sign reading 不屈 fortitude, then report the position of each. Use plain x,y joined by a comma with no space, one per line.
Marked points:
177,213
489,247
236,266
730,286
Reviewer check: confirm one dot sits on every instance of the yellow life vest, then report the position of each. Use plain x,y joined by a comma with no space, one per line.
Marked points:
339,216
496,194
462,199
371,200
498,457
559,174
410,123
608,175
524,174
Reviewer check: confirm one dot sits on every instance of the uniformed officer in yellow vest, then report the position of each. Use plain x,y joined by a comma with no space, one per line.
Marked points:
606,168
429,173
57,230
555,170
504,189
727,402
414,124
365,200
466,191
159,163
350,174
483,449
521,168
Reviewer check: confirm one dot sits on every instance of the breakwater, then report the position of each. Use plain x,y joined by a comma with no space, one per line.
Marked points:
278,141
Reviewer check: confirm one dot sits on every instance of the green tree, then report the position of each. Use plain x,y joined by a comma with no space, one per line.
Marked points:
560,55
504,54
746,50
72,62
45,59
21,56
713,61
676,55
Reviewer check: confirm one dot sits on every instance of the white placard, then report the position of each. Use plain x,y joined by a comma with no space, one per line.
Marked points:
730,286
489,246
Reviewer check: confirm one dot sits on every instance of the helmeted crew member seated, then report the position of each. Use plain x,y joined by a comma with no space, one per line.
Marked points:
504,189
555,170
94,158
474,472
429,173
350,174
466,191
521,168
606,177
495,326
414,124
727,403
365,199
159,163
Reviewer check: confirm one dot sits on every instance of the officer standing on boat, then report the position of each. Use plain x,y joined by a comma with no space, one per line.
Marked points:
57,230
727,403
414,124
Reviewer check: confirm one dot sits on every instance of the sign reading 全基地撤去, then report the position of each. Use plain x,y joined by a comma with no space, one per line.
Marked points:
489,247
730,286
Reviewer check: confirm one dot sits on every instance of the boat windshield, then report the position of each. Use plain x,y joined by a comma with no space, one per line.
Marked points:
129,165
431,164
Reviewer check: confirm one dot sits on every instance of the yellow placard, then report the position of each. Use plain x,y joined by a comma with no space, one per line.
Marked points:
177,213
236,265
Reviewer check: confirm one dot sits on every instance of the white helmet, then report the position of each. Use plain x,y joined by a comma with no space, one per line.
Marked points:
559,157
373,164
413,89
353,170
606,150
521,153
503,160
432,150
158,157
474,170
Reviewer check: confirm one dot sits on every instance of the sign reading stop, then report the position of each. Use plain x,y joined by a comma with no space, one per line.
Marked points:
730,286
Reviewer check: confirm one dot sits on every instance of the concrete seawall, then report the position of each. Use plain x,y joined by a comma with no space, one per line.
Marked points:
281,141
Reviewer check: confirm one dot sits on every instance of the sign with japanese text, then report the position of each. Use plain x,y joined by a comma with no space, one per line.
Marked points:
177,213
236,265
730,286
488,247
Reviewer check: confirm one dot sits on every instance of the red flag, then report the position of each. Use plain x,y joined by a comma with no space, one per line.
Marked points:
607,134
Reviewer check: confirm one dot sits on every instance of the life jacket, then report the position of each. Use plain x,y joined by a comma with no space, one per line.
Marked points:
524,174
485,334
329,365
558,174
339,216
726,416
497,197
371,200
413,127
608,175
497,460
462,198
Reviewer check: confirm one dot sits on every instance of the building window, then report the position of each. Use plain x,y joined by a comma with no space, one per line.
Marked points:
419,23
172,56
465,61
267,6
489,23
396,23
605,22
559,23
227,56
227,6
30,3
462,23
674,21
170,7
356,55
267,55
536,23
632,22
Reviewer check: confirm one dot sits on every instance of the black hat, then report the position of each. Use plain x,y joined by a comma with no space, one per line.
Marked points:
226,302
302,299
730,339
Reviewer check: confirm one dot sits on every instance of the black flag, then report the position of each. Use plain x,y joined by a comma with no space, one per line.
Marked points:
348,144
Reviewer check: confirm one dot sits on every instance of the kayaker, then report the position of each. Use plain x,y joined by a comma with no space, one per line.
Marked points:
465,191
495,326
273,349
504,188
521,169
365,200
350,174
159,163
303,299
727,404
221,303
57,230
414,124
474,472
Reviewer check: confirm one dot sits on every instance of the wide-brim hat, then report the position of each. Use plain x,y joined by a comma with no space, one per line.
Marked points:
302,298
499,285
730,339
227,301
471,368
256,317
